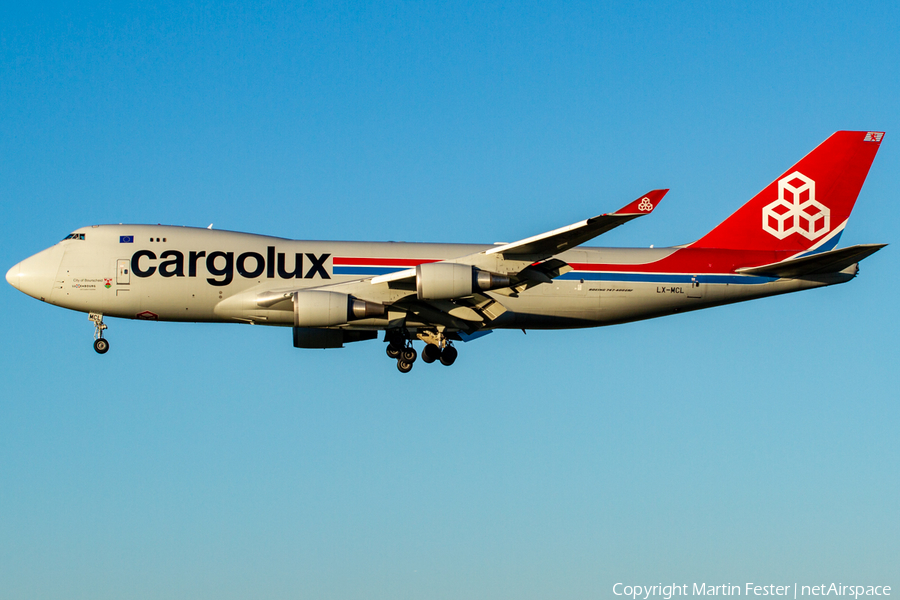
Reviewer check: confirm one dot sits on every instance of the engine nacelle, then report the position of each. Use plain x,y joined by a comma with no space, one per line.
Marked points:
443,281
315,308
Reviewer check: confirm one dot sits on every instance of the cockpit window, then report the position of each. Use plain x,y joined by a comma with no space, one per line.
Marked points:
74,236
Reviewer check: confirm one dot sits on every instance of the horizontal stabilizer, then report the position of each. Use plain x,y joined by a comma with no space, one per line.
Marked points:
833,261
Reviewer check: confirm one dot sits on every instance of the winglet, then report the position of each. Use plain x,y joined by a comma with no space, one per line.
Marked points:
643,205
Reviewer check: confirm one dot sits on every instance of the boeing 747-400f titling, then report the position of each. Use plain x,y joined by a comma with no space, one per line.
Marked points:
331,293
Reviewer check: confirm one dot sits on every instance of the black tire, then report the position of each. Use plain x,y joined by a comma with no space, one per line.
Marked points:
403,366
101,345
448,356
393,351
431,353
409,355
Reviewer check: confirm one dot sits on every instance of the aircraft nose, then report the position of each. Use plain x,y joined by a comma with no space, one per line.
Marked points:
35,275
12,276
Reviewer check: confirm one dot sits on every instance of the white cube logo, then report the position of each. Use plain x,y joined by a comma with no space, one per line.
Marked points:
796,209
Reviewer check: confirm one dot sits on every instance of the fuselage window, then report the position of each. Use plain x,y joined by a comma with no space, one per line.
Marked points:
74,236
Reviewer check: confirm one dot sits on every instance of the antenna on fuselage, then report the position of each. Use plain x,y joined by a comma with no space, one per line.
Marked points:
210,226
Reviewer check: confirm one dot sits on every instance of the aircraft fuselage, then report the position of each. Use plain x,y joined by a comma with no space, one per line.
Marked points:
189,274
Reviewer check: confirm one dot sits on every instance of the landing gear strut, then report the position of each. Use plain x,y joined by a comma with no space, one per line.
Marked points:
437,347
101,344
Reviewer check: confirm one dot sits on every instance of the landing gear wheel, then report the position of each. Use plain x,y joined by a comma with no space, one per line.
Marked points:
409,355
431,353
448,356
403,366
393,351
101,345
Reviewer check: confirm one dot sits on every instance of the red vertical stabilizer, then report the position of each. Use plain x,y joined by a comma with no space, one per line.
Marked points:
808,205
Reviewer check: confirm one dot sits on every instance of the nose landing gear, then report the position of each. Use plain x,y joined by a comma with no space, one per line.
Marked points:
101,344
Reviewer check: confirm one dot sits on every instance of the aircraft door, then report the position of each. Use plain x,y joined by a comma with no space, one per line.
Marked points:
123,271
696,288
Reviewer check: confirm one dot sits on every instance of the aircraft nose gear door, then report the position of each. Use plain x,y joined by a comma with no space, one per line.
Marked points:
123,271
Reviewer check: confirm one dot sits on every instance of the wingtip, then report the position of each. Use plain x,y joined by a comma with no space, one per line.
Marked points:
643,205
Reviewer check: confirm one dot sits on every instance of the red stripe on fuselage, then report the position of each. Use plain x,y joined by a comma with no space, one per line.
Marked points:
383,262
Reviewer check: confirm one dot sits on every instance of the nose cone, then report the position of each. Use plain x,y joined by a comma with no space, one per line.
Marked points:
12,277
35,275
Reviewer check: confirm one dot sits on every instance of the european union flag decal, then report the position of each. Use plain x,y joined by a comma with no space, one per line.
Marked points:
126,239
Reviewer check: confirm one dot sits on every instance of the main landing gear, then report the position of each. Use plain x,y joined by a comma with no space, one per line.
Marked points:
433,352
402,351
101,344
437,347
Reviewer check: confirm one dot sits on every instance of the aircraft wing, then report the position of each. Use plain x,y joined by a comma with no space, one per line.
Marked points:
560,240
833,261
545,245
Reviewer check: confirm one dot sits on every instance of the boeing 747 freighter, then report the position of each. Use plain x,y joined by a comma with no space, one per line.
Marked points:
332,293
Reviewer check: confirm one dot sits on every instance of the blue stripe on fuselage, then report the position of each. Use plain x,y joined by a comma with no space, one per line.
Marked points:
365,270
665,278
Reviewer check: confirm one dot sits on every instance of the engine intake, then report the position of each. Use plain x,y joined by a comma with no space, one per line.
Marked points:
326,309
443,281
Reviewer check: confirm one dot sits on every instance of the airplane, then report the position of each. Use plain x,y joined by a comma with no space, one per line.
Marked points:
332,293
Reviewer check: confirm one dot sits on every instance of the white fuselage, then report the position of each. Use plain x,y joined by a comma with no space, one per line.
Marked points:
189,274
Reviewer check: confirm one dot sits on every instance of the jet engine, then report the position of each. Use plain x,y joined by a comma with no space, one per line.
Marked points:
313,308
443,281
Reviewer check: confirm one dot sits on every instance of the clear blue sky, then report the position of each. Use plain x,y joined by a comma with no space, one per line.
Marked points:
755,442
